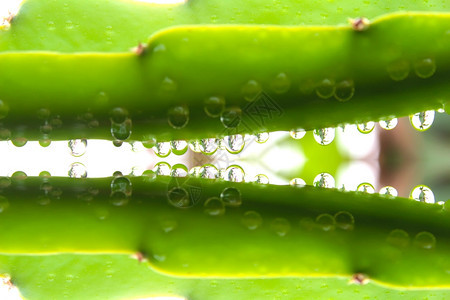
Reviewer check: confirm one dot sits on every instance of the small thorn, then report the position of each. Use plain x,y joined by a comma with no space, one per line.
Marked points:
359,24
140,256
359,278
6,21
140,49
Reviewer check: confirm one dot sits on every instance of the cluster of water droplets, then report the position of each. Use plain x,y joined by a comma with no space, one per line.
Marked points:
399,238
121,190
120,125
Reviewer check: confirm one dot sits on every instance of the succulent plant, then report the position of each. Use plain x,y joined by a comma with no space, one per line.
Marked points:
202,75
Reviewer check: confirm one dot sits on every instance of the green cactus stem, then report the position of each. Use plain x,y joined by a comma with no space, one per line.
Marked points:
192,227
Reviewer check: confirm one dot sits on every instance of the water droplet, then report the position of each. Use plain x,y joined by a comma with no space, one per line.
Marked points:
209,146
366,127
234,143
69,25
422,121
18,176
45,142
121,131
231,117
234,173
398,238
307,224
163,149
195,171
178,116
425,240
77,170
324,180
250,90
4,109
388,191
46,187
280,226
261,179
56,122
422,193
325,222
324,136
102,213
117,143
209,172
51,25
118,198
214,106
162,169
19,141
101,99
179,147
252,220
261,137
148,142
118,115
45,174
231,197
297,182
366,187
159,48
344,90
77,147
4,204
425,67
168,86
43,113
43,200
5,134
195,146
281,83
389,124
307,87
398,70
179,170
325,89
121,184
214,207
298,133
46,128
344,220
148,176
4,182
179,197
51,277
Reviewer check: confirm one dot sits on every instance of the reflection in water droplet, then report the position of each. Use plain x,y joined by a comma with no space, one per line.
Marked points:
45,142
118,198
389,124
261,179
19,141
179,197
234,173
118,115
4,204
162,169
77,170
234,143
281,83
425,67
325,222
209,172
297,133
252,220
324,136
398,238
366,187
422,121
121,184
325,89
231,197
344,90
117,143
324,180
179,170
425,240
388,191
422,193
280,226
77,147
18,175
231,117
179,147
209,146
398,70
366,127
162,149
250,90
297,182
261,137
195,146
45,174
121,131
178,116
214,207
344,220
214,106
149,142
